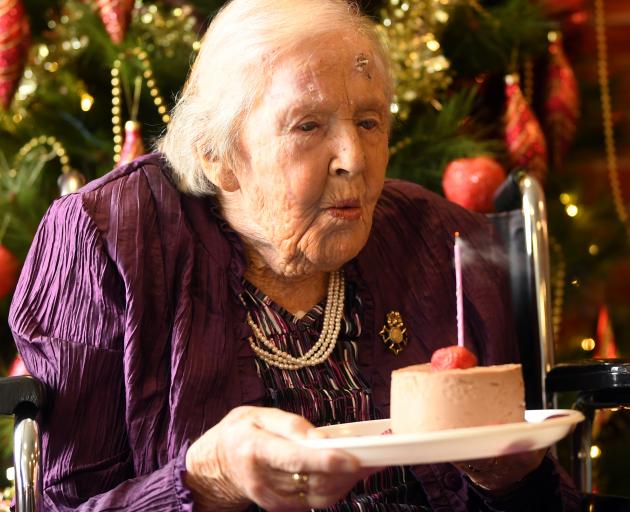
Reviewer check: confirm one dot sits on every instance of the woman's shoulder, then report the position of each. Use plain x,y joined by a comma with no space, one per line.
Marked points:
137,187
409,205
127,198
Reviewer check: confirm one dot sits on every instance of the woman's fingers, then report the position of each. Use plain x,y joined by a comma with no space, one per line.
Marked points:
284,424
290,457
313,490
252,454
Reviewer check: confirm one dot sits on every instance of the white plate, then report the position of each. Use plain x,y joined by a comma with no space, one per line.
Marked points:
365,440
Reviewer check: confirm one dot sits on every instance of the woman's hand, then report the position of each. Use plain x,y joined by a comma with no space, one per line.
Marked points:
251,456
499,474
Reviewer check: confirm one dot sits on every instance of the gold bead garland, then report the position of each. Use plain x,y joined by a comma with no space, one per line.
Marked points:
558,282
70,179
400,145
609,134
44,140
147,75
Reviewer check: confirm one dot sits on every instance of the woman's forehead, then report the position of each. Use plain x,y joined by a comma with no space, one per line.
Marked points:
309,69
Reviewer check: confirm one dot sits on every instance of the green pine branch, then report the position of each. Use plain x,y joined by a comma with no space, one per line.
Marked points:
436,137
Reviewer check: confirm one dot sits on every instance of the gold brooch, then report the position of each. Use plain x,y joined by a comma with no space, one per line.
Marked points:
394,334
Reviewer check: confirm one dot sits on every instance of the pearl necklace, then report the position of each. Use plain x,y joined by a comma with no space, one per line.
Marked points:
320,351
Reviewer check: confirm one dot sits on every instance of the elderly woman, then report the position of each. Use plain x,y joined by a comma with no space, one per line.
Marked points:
197,312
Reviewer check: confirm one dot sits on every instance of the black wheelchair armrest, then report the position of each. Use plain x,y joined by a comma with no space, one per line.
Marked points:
21,396
598,503
589,375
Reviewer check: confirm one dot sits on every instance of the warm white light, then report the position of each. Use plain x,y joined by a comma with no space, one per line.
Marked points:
593,249
433,45
588,344
394,108
86,102
10,474
441,16
571,210
565,198
595,451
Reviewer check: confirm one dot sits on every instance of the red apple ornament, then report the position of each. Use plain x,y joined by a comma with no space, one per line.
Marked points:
453,357
472,182
9,266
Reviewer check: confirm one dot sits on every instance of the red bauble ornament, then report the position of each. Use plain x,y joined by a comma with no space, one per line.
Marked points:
133,146
562,105
9,266
524,139
472,182
453,357
14,42
17,368
116,15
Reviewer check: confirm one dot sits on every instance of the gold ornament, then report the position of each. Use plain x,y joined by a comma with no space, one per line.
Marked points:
70,182
420,69
394,333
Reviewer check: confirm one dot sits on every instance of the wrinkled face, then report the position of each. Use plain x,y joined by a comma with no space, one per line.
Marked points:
314,151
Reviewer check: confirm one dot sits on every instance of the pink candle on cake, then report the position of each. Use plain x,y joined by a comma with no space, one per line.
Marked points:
458,290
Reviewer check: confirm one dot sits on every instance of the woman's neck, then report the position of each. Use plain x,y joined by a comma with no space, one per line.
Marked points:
297,295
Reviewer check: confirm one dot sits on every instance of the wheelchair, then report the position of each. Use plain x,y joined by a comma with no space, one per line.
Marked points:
522,227
598,383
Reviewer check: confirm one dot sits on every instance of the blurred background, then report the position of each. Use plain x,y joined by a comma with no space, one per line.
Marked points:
483,88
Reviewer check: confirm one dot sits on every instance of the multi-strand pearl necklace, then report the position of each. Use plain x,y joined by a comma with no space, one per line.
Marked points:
320,351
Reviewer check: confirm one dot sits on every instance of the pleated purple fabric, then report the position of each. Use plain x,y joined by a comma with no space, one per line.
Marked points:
128,310
329,393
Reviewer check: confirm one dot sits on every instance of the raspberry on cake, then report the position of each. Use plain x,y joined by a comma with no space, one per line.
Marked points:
449,358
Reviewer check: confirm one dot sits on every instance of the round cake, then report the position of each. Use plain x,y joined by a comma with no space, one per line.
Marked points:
424,399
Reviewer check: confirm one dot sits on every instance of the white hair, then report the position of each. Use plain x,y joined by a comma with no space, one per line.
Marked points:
232,70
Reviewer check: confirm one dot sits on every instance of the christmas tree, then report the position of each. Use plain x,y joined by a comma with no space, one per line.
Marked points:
482,89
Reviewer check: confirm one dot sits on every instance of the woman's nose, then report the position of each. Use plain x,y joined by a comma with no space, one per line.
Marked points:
349,155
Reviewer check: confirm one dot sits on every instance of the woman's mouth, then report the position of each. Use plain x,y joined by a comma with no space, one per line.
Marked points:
348,209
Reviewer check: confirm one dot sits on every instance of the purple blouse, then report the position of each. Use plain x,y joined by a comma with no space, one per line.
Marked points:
128,310
332,392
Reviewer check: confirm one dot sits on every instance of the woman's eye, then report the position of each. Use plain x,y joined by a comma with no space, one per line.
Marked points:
368,124
307,127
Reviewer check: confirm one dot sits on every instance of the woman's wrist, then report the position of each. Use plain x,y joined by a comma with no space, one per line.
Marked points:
211,491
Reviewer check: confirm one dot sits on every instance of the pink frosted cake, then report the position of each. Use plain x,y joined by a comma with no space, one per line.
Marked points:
424,399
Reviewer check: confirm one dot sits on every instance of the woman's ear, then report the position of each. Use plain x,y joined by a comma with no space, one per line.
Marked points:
219,174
